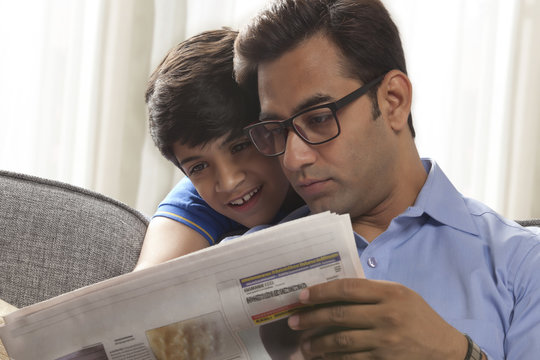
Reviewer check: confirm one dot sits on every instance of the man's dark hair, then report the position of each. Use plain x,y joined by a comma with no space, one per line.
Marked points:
192,96
362,29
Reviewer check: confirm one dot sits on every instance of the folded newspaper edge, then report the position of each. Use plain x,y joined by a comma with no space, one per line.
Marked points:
217,303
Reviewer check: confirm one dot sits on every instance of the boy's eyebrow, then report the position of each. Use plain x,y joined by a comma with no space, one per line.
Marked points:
316,99
188,159
226,143
221,146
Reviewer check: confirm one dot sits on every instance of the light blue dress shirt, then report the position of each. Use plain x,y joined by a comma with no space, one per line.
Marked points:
478,270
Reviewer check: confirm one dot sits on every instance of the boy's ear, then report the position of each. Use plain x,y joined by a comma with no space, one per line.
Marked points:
395,98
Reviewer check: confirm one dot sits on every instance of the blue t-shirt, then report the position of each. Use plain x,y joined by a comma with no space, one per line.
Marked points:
185,205
476,269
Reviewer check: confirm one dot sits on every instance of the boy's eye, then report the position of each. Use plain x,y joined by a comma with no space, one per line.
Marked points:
240,146
197,168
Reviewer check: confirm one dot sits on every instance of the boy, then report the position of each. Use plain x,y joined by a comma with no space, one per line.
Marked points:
196,114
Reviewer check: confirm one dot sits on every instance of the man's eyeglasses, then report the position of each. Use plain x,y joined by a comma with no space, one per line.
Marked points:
316,125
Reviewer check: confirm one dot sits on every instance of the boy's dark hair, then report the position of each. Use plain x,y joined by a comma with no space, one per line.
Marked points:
362,29
192,96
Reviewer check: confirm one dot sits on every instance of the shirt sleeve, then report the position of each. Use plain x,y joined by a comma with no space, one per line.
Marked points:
185,205
524,332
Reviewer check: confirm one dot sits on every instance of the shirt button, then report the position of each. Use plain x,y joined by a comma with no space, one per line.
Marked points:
372,262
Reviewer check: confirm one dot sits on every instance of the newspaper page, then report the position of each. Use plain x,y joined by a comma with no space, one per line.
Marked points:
229,301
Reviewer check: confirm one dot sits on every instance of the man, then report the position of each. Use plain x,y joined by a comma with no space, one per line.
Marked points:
447,277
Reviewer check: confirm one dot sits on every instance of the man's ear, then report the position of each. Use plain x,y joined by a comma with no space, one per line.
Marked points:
395,97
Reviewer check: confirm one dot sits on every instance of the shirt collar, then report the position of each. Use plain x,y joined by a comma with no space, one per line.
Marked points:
440,200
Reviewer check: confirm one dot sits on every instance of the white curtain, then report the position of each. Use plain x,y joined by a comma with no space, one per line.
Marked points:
474,65
522,194
73,76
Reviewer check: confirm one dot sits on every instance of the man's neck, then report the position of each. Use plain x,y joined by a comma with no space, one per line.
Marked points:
376,221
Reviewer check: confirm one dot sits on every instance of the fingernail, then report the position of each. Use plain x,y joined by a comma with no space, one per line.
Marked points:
293,322
304,295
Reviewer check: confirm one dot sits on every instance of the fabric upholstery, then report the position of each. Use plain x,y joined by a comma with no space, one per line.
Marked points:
56,237
529,222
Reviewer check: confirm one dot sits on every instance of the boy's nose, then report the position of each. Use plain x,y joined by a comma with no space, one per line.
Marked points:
231,175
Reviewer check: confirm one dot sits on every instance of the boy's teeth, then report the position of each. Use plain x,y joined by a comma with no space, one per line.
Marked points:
245,198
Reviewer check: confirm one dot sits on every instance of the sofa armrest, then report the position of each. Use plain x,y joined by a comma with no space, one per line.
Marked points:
55,237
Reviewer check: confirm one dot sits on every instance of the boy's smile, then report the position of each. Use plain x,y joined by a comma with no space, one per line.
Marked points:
249,198
235,180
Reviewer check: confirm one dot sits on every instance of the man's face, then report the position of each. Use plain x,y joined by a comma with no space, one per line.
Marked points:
350,174
235,180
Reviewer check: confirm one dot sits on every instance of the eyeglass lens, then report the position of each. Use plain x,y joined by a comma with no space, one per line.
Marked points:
314,126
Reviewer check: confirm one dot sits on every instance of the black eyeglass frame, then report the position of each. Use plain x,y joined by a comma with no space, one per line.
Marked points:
333,106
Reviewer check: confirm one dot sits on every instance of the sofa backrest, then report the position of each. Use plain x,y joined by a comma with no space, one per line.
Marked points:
56,237
529,222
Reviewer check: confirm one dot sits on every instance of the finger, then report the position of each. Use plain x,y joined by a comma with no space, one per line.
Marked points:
336,314
340,342
364,355
350,290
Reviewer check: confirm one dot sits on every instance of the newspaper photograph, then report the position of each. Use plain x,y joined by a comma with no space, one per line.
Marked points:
229,301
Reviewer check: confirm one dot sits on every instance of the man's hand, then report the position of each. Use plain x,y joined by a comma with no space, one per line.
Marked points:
369,319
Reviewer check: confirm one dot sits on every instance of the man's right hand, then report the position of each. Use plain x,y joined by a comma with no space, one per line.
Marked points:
370,319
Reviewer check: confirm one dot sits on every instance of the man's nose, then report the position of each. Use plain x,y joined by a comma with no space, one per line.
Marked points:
298,153
230,176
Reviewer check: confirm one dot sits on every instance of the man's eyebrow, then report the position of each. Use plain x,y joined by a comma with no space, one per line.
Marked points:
263,116
317,99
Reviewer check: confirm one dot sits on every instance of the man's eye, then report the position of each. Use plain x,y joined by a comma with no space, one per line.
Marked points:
277,131
197,168
319,119
241,146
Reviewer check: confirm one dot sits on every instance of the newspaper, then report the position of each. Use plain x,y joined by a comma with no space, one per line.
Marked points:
229,301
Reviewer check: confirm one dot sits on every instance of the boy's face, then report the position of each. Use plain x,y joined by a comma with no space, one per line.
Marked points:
235,180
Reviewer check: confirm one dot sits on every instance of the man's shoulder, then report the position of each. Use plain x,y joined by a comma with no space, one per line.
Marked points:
446,204
500,231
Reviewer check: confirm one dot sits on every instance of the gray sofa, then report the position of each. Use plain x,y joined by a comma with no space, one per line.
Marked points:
56,237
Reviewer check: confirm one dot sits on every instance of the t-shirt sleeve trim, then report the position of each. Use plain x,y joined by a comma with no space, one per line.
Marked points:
188,222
